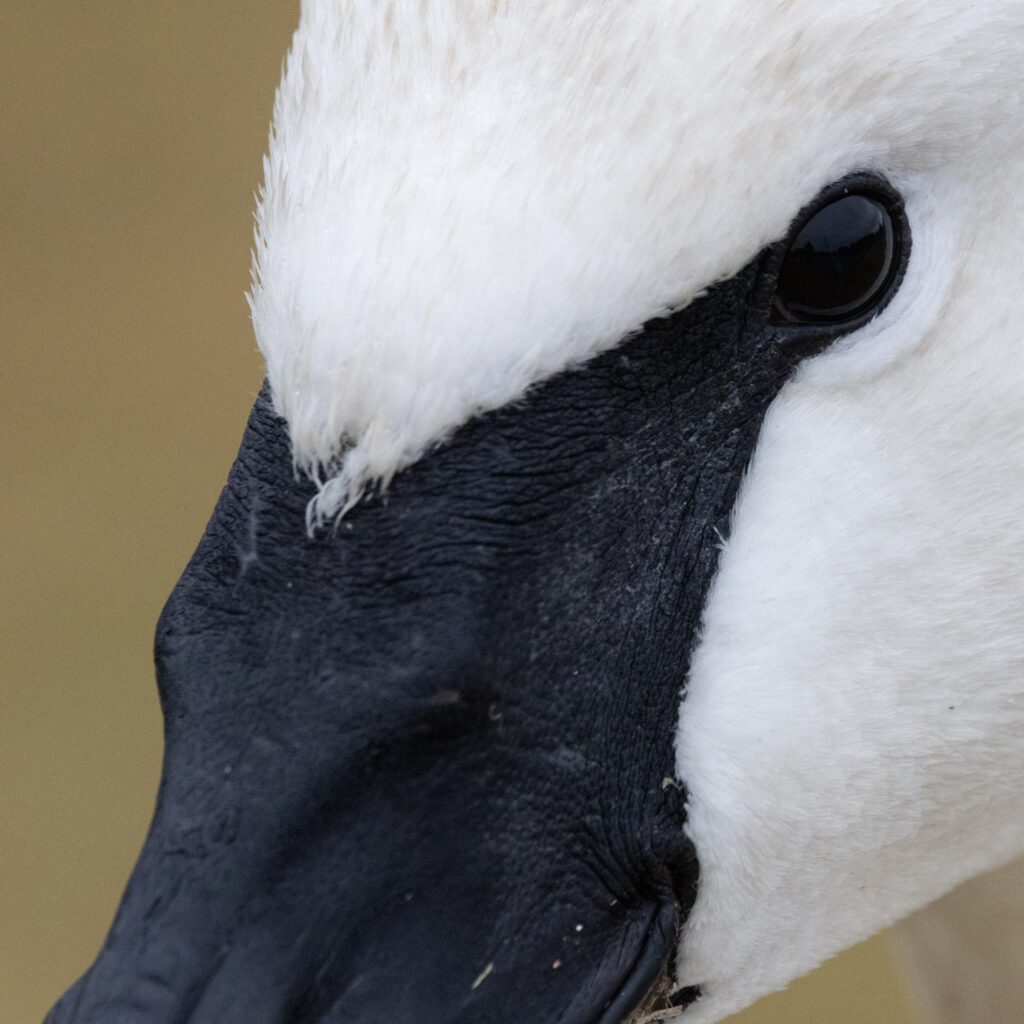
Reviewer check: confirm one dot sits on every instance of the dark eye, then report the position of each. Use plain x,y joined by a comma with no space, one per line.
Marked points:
842,262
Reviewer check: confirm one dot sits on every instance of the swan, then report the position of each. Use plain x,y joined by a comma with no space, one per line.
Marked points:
615,606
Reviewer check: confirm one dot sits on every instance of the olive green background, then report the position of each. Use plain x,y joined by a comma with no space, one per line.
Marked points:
131,136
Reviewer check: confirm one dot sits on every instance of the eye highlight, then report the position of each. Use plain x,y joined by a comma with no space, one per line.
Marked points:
844,260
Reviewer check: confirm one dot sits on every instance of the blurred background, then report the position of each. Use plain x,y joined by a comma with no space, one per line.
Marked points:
131,137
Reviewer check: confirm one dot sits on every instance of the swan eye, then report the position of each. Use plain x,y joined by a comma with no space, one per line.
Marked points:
841,264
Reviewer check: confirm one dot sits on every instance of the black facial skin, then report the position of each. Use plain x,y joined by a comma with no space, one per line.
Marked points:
419,769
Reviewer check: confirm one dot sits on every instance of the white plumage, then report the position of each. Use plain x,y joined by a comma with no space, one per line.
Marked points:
464,198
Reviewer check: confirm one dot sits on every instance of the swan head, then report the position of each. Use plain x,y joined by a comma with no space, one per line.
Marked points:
616,599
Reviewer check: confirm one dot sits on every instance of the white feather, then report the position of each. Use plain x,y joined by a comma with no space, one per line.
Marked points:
463,198
853,732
